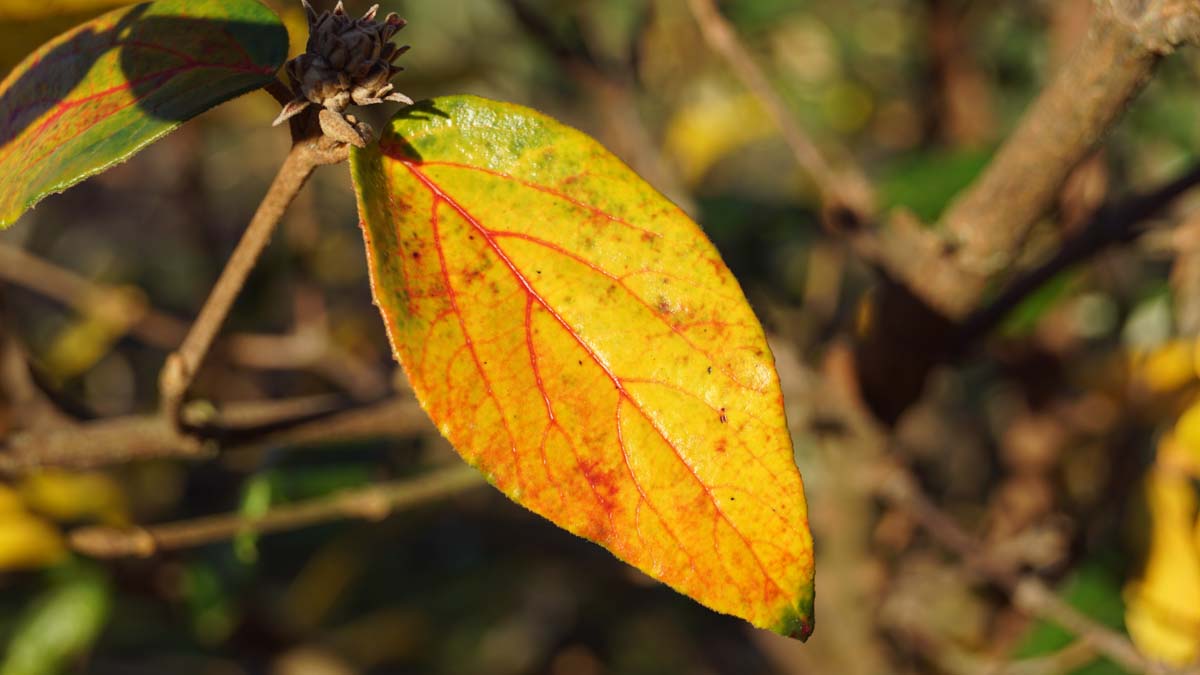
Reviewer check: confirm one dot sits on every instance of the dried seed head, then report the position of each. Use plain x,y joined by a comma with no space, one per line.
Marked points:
347,61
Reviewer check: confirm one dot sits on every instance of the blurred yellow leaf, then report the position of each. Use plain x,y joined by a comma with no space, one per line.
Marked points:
702,133
1163,607
76,496
1165,368
26,10
10,501
848,106
1182,449
28,542
79,347
296,22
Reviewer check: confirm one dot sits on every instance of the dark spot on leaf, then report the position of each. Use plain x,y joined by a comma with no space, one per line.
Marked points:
710,370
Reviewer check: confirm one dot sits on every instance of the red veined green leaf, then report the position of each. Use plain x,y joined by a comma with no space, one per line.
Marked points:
580,341
92,97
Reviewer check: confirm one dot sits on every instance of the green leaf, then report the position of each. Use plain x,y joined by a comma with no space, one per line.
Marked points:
94,96
1094,590
926,181
59,626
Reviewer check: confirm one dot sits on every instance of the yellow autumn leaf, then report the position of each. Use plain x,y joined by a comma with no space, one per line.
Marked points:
27,10
1182,449
1162,610
702,133
80,346
1165,368
28,542
68,497
579,340
10,501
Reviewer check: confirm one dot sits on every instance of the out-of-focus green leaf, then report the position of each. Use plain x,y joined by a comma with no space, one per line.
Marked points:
924,183
1025,317
256,501
1095,591
211,608
60,625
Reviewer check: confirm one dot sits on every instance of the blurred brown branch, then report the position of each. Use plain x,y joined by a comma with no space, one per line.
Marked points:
1089,94
936,277
375,502
126,309
1111,226
120,440
897,486
846,193
308,153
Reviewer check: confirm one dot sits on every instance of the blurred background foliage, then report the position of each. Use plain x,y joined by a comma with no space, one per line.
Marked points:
1072,439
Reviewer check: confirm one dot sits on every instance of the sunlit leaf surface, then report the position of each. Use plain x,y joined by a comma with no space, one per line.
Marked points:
582,343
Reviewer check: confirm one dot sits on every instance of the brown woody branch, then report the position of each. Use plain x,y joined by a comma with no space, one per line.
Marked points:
1110,227
182,365
936,277
375,502
986,227
127,439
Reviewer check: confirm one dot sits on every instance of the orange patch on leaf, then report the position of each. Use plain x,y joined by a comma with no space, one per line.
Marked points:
557,319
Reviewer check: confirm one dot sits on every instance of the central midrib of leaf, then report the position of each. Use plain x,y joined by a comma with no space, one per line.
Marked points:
534,297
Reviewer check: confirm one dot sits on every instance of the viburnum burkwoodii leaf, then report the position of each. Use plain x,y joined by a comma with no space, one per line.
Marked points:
580,341
95,95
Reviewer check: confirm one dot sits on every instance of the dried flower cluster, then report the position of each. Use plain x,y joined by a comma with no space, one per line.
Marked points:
347,62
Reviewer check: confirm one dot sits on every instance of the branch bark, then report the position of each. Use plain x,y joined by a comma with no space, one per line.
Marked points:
307,347
127,439
986,227
936,277
375,502
182,365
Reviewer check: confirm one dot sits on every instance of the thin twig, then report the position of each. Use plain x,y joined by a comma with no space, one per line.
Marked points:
1111,226
308,347
122,440
899,488
375,502
97,444
1125,42
181,366
939,276
845,189
279,91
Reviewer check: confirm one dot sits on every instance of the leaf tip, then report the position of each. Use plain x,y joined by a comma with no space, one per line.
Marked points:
798,620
